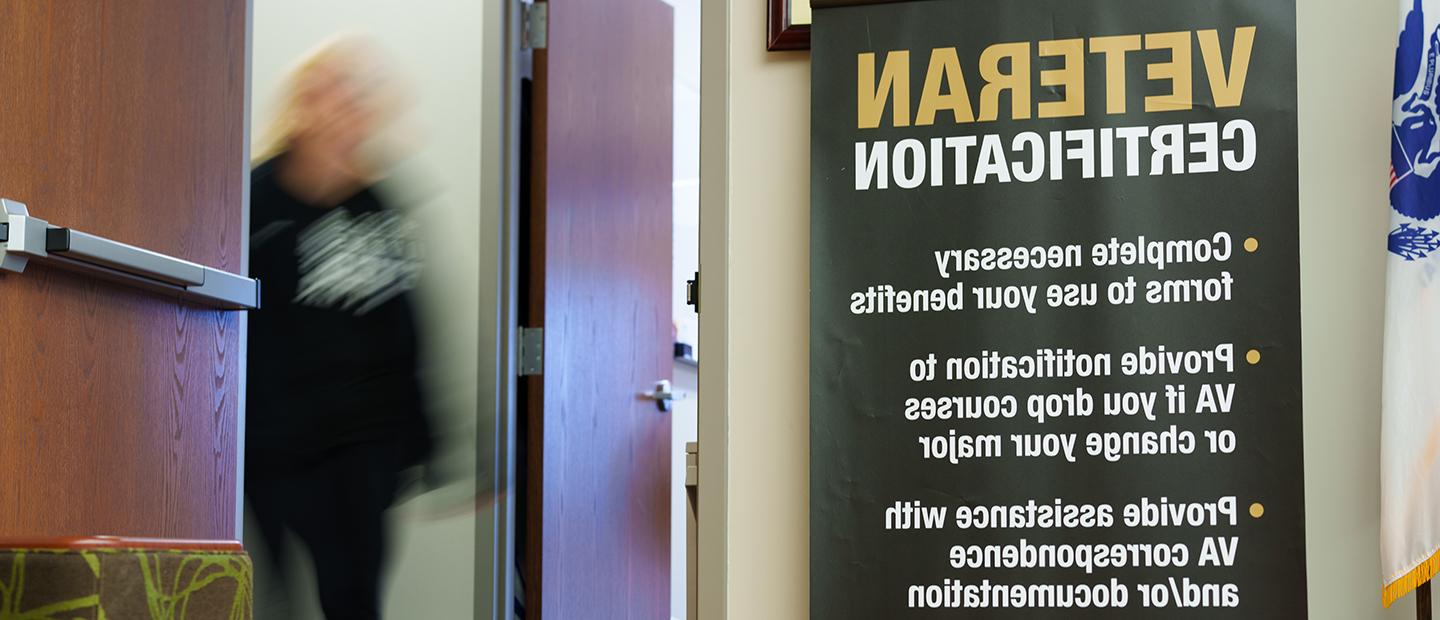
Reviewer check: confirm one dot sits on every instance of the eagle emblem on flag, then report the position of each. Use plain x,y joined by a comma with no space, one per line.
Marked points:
1415,140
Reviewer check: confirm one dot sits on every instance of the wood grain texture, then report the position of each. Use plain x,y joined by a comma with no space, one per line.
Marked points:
601,203
118,407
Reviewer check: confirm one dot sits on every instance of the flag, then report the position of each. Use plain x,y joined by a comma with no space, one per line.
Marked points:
1410,426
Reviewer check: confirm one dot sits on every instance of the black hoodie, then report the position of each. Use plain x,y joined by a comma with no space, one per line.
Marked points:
333,350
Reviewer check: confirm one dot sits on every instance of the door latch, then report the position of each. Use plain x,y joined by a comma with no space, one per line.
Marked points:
664,395
692,292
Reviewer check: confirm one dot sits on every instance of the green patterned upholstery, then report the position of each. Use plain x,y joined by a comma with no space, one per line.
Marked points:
114,581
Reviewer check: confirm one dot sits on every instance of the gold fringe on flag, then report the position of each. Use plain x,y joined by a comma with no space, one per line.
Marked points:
1409,581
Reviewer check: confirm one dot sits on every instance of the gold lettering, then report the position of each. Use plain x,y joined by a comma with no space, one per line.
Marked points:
944,68
1017,81
1227,90
1114,49
1070,76
1178,70
871,97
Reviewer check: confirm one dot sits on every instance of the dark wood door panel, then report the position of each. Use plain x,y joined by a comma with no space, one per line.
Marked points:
601,260
126,119
118,407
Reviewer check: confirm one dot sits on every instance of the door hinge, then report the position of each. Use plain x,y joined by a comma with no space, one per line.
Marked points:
535,25
692,292
532,351
692,464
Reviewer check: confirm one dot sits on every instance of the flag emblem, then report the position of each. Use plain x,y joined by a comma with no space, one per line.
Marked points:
1415,138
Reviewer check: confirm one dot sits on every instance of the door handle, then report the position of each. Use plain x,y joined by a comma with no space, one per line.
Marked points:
24,238
664,395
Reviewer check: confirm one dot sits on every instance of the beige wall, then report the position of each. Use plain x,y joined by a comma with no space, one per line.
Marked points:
766,306
758,103
1344,216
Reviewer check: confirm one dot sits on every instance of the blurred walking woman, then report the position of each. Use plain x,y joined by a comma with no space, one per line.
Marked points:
334,409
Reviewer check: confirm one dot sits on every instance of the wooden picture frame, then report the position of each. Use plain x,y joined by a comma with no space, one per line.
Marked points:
789,21
789,28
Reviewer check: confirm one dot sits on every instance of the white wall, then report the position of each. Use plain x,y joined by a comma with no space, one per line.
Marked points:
686,223
685,252
758,102
437,45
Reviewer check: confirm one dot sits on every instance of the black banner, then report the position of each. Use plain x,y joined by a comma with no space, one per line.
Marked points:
1055,342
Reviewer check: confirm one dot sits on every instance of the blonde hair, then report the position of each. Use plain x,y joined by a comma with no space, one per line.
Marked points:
350,53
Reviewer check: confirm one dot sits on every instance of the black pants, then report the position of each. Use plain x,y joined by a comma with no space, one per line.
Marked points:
336,507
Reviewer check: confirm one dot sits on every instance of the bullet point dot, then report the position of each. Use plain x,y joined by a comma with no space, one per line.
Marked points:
1253,357
1257,510
1252,244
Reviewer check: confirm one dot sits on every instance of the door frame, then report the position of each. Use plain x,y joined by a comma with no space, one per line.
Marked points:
498,238
243,320
712,528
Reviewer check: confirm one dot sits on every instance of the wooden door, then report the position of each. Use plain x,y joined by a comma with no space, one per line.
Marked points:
119,407
599,225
